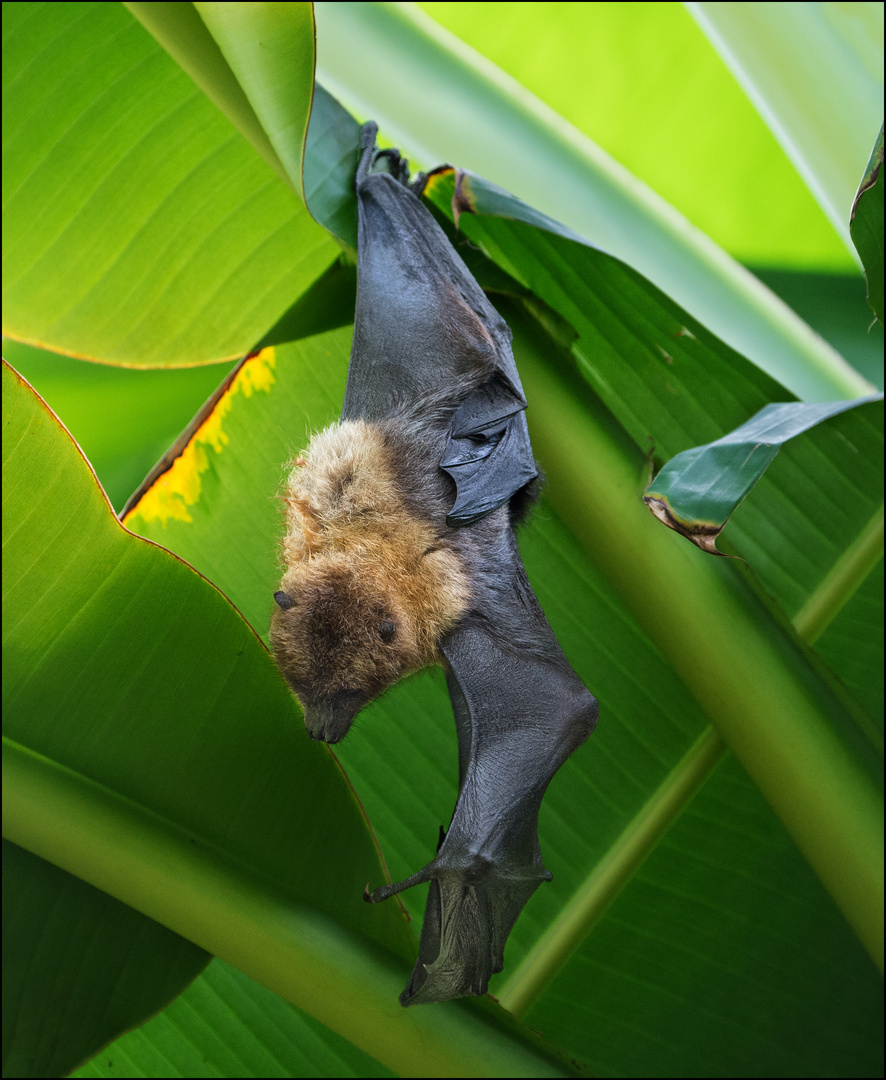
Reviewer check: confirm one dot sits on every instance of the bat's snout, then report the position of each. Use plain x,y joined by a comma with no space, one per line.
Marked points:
330,720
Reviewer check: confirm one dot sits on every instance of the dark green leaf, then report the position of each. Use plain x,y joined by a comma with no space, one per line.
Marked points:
698,490
866,226
65,940
331,155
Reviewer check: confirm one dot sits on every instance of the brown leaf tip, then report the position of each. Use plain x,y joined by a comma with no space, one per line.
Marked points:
702,534
461,197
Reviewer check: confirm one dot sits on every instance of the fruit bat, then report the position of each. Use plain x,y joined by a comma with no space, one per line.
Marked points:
399,552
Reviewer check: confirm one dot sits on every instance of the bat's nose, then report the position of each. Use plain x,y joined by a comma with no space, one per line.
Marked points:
329,720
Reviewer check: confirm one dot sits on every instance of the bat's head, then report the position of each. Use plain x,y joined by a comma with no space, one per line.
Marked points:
344,630
340,638
369,590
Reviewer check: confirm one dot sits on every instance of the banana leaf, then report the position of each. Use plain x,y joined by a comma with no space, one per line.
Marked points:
867,226
685,932
183,821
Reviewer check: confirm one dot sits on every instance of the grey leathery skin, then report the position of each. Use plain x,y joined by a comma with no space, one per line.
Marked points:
433,370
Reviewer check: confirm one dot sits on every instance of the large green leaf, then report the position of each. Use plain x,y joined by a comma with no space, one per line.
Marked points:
456,108
243,838
138,226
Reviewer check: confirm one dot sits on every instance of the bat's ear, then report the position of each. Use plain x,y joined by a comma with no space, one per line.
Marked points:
302,517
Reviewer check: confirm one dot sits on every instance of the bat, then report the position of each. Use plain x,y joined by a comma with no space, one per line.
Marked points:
399,553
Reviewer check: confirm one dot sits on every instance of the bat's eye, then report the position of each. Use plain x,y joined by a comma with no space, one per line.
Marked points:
283,600
386,630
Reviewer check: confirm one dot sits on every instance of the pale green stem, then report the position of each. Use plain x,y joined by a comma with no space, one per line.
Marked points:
564,935
197,891
845,576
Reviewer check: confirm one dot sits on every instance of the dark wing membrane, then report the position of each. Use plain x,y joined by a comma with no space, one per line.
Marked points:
520,711
422,326
488,454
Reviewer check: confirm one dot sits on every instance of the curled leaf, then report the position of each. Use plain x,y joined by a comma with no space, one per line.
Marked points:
698,490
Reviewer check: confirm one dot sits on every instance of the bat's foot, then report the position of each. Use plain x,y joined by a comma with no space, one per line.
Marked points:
397,166
385,892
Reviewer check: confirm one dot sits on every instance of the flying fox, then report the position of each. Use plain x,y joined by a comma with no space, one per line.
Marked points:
400,553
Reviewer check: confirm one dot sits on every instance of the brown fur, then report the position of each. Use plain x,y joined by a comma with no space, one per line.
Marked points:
372,586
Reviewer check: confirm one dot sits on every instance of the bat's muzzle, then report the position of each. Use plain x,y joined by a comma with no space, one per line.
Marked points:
329,720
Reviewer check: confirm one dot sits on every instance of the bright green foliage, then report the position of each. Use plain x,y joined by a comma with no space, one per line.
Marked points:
714,846
125,187
655,95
